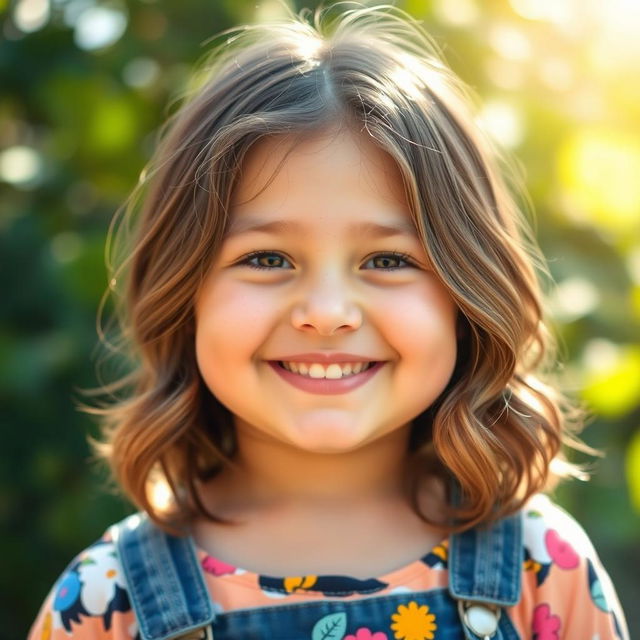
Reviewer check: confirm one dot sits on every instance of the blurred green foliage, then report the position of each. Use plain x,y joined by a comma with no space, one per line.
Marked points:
84,87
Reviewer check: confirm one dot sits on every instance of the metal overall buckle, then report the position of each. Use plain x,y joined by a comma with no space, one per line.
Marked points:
204,633
479,617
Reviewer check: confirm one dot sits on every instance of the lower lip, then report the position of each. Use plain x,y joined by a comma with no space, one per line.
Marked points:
322,385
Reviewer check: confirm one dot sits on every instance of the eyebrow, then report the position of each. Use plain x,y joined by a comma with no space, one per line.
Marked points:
372,229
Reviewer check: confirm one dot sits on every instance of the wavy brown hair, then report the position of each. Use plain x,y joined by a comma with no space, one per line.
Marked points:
496,428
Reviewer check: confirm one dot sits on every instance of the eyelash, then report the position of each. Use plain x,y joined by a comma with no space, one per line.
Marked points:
389,254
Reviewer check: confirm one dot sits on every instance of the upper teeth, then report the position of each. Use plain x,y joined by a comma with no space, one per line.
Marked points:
332,371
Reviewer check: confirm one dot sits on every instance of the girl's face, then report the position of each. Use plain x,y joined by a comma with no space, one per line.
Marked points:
329,283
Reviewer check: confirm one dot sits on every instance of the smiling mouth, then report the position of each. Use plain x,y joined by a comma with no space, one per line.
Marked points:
333,371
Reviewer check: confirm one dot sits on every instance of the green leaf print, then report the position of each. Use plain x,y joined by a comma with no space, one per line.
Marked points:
331,627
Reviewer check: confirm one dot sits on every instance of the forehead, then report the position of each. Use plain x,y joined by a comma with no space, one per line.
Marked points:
340,177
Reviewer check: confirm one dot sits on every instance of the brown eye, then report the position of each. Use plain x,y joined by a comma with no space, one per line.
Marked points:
263,260
387,261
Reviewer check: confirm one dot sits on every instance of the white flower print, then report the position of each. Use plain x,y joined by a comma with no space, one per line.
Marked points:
100,573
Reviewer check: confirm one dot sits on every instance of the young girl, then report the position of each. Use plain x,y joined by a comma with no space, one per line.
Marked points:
336,426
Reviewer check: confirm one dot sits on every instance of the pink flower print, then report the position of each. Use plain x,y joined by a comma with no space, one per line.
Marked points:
545,625
217,567
561,552
366,634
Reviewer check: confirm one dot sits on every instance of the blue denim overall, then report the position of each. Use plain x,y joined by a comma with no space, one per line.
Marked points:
170,599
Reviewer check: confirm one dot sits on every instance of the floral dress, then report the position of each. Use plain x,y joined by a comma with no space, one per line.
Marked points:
566,593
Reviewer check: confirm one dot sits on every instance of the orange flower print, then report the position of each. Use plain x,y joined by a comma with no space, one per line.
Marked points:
413,622
293,583
46,627
531,565
442,550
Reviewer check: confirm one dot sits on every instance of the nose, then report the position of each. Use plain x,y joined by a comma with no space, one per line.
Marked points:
326,306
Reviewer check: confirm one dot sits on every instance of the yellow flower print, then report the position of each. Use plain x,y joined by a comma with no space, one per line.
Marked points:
413,622
532,565
441,550
294,583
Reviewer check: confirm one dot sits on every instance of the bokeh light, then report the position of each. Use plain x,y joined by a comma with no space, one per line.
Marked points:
611,382
503,122
21,166
31,15
99,26
599,171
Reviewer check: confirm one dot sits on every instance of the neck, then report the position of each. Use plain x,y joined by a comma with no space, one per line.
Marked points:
272,474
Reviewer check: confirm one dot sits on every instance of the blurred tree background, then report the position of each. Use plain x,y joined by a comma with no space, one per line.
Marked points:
84,86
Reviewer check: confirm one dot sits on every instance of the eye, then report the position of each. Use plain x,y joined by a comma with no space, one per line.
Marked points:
267,257
270,260
386,258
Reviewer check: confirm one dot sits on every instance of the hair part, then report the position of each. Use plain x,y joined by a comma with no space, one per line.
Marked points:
496,429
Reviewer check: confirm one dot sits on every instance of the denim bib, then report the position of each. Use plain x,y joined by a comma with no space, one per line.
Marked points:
170,598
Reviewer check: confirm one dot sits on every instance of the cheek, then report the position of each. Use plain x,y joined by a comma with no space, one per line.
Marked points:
421,324
227,310
231,325
422,312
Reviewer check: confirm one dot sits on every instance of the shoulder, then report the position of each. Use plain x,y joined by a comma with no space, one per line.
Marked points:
552,536
89,599
565,585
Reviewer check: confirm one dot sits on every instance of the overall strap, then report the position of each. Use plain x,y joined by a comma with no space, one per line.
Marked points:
485,575
164,580
486,563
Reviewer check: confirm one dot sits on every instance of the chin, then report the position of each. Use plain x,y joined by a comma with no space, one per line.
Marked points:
328,440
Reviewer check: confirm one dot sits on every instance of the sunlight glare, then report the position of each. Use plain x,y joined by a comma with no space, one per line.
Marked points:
161,494
412,76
